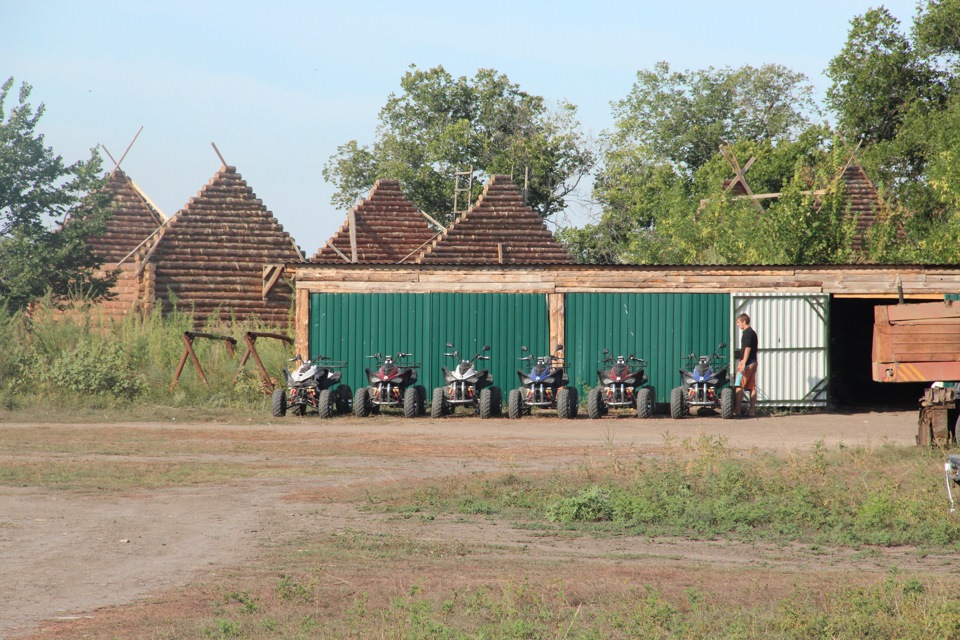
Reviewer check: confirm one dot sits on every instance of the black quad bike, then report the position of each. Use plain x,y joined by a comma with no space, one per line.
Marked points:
705,384
622,383
311,385
467,386
543,386
393,384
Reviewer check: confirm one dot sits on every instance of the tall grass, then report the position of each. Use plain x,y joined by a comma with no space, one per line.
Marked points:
75,360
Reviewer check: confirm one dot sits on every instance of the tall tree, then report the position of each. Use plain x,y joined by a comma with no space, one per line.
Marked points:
439,125
878,78
38,192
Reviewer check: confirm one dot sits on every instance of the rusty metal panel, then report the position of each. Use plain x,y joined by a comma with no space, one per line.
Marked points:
793,335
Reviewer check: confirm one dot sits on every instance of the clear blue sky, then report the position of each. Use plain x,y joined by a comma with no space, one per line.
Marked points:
278,86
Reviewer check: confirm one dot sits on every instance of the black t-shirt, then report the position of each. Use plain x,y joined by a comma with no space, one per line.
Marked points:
749,339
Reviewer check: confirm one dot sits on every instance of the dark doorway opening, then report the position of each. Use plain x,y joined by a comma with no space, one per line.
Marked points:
851,359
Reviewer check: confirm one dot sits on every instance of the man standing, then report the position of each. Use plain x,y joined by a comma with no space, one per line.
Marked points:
747,368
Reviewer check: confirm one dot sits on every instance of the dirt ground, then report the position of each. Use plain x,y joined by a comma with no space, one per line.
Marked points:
67,555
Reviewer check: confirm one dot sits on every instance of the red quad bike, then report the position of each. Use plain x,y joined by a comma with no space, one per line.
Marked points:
391,386
544,386
621,386
311,385
466,387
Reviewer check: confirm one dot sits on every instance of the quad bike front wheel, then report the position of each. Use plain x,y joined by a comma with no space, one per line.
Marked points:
437,409
361,402
677,403
567,403
727,404
325,404
411,402
595,403
645,400
278,403
515,404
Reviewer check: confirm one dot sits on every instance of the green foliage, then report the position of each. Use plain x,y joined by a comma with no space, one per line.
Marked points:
37,189
439,125
680,118
83,359
709,493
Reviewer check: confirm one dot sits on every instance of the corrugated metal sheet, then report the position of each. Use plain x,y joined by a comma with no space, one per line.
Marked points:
658,327
793,333
351,326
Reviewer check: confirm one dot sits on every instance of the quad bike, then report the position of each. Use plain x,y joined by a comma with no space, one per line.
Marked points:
544,386
391,386
311,385
620,386
705,384
466,386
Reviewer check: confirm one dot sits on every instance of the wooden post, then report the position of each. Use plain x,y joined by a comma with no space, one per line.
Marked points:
556,309
188,337
251,338
302,322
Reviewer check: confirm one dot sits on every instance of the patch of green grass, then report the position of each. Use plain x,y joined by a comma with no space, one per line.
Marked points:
884,496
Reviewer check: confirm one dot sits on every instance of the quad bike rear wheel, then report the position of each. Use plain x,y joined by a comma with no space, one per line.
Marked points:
515,404
411,402
678,405
437,404
487,402
567,403
343,399
595,403
278,403
496,401
325,404
727,405
645,400
422,397
361,402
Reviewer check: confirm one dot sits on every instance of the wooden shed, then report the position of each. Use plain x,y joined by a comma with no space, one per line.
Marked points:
815,322
133,226
222,255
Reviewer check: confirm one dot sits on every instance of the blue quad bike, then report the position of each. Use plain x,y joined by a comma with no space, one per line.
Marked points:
544,386
706,384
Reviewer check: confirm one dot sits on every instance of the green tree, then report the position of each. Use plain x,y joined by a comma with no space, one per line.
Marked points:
680,118
439,125
37,189
878,78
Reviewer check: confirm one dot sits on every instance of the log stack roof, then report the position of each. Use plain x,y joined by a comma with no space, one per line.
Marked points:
387,229
135,219
499,229
213,255
133,225
864,200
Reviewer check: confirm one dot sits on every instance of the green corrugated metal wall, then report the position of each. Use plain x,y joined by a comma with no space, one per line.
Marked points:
658,327
351,326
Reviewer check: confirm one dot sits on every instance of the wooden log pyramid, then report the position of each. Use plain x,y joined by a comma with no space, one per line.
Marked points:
863,199
212,255
134,224
498,229
384,228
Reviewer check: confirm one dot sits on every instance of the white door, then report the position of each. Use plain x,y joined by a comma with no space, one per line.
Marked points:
792,356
